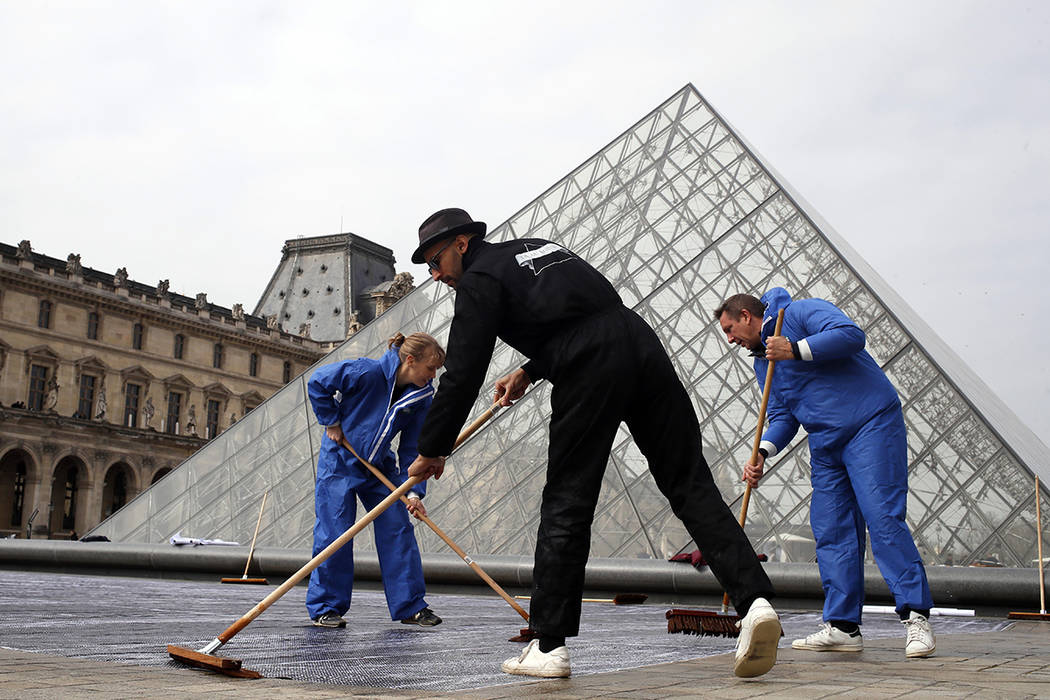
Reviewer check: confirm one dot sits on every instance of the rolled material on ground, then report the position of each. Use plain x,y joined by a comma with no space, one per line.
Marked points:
954,612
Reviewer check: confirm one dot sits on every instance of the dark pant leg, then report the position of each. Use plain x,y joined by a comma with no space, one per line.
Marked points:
664,425
585,417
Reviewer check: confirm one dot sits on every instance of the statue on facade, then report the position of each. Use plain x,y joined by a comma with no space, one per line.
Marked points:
51,399
120,279
191,420
147,413
353,325
202,301
304,330
73,264
162,289
25,250
100,404
271,322
402,285
238,312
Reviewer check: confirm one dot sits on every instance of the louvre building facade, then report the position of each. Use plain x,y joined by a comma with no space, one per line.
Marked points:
678,212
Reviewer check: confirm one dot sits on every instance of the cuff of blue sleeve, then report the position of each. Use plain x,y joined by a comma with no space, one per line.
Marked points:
769,448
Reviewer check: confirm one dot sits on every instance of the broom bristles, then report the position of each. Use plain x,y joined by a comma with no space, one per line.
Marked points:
702,622
527,634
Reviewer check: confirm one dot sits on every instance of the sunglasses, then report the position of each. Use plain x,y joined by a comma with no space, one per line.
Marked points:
434,261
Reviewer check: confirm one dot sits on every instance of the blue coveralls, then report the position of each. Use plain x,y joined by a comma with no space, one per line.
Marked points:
357,395
858,453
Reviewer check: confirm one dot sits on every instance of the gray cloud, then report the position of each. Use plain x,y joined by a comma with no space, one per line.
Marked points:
189,140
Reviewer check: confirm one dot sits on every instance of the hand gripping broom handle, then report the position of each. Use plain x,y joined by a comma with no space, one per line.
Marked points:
437,530
758,438
251,550
302,573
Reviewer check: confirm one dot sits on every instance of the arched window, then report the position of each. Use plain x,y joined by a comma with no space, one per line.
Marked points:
287,371
253,364
43,319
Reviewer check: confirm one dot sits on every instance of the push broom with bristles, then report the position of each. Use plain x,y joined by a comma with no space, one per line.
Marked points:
251,550
206,659
1042,614
437,530
705,622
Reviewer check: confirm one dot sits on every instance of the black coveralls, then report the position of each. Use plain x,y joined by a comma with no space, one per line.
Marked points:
605,365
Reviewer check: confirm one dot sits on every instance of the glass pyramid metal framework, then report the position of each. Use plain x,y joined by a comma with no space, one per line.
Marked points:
679,212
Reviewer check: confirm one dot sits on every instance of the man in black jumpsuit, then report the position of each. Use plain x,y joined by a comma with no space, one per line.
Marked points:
606,366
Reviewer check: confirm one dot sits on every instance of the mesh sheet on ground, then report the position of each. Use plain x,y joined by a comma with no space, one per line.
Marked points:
132,620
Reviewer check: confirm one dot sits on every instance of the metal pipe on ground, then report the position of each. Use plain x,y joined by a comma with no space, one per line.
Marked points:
952,586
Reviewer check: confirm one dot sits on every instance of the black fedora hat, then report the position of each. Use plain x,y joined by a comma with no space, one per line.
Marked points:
445,224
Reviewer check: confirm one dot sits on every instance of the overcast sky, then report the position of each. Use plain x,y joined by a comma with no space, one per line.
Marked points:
189,140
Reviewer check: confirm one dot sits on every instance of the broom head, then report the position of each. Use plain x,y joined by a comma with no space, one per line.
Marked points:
527,634
702,622
1045,617
220,664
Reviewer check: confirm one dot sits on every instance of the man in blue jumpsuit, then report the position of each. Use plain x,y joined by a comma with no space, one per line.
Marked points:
826,382
360,401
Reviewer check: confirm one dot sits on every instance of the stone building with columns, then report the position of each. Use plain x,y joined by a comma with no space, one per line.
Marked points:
107,384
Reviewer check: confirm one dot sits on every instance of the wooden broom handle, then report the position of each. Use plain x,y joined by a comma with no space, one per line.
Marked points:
478,422
441,533
758,436
337,544
328,551
251,550
1039,539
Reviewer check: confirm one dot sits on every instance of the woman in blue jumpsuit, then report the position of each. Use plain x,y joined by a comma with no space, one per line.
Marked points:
368,402
832,387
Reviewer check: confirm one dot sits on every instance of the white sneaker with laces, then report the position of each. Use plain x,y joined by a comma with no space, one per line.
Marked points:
830,638
756,651
533,662
920,636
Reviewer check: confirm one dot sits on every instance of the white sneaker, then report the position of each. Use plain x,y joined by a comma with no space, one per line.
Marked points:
920,636
533,662
756,651
829,638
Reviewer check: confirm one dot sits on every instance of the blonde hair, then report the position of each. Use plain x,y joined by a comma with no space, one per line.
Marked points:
417,345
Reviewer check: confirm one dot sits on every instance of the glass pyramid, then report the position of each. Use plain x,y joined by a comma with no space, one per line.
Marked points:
678,212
